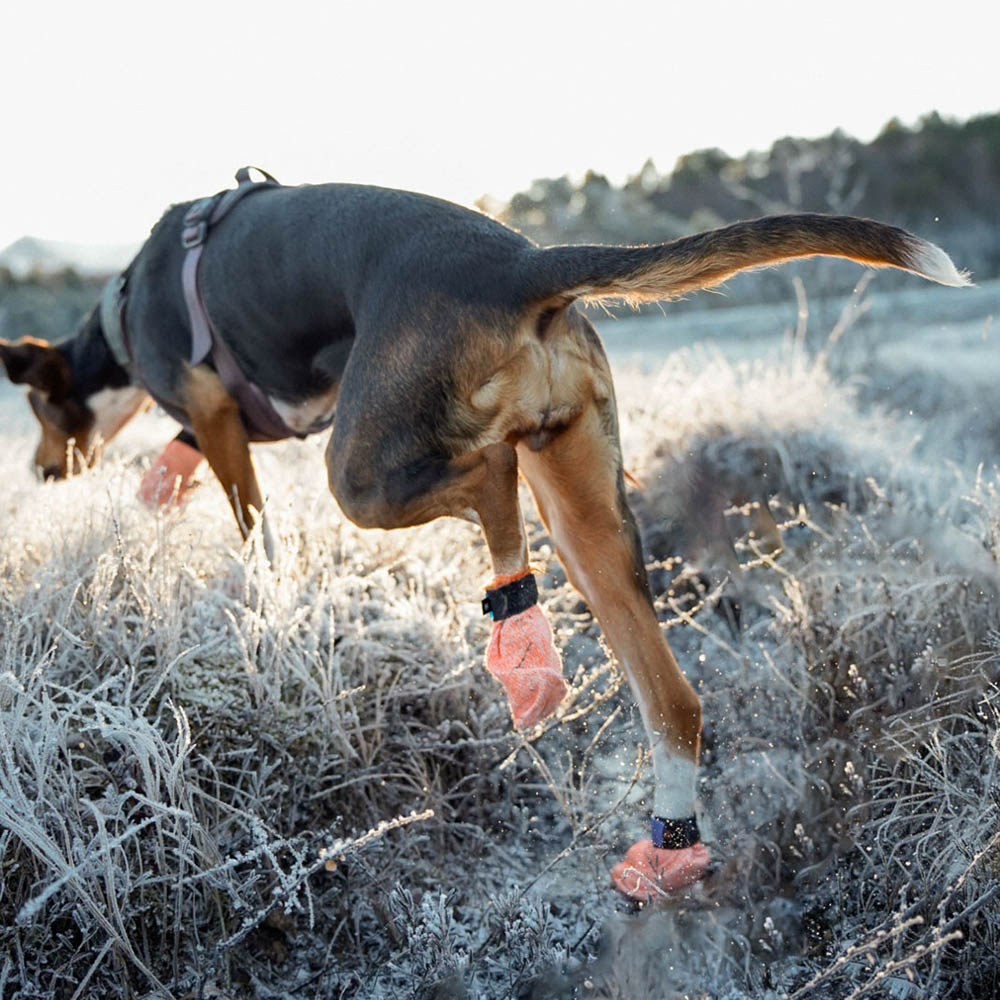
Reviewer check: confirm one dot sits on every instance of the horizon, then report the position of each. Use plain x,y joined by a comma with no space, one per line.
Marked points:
121,112
503,199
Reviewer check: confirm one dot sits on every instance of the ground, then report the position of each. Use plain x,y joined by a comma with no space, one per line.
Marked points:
197,749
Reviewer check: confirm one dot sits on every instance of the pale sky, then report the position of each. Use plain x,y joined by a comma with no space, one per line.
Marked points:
113,110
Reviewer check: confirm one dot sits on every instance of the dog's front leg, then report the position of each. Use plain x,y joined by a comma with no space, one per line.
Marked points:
222,439
170,478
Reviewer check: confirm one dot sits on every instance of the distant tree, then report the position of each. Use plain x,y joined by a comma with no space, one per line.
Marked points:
939,173
893,132
646,180
699,164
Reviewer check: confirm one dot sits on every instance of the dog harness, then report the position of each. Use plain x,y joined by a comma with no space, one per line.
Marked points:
112,323
262,421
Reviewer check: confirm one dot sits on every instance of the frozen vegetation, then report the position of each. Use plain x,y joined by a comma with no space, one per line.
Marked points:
220,778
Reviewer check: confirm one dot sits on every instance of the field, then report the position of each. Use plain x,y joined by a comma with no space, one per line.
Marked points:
225,778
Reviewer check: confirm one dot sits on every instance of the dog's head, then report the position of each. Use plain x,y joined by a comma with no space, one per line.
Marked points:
74,423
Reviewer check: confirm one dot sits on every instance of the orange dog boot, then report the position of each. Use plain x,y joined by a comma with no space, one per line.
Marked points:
521,654
655,867
172,471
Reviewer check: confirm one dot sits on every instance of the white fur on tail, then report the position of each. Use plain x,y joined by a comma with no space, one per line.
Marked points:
932,262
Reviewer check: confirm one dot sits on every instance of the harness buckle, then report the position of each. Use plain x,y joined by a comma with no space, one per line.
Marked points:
194,235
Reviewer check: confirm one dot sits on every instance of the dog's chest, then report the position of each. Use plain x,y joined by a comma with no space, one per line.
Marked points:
307,414
113,408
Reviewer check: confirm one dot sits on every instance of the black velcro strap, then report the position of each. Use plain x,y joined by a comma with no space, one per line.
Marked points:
511,599
674,834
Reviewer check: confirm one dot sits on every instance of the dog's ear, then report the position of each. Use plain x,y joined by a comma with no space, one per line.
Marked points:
37,363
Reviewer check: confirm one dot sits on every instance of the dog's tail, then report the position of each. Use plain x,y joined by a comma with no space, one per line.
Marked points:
667,270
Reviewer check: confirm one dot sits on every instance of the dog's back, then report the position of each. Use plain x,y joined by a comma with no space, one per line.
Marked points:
297,272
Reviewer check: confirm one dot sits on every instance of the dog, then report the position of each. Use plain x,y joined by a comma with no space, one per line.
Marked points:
450,355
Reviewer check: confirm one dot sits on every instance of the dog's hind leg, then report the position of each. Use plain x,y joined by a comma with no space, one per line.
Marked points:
222,439
521,653
578,485
481,486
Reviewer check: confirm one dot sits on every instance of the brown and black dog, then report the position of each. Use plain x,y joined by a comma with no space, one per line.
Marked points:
455,357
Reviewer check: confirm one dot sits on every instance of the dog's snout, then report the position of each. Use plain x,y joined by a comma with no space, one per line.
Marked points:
48,472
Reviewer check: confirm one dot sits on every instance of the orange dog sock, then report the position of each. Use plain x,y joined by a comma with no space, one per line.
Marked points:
174,468
672,859
648,871
521,654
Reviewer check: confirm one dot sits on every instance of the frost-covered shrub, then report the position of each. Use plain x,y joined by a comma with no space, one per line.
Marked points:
218,775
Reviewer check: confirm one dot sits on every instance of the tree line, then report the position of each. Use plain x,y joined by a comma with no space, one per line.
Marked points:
940,178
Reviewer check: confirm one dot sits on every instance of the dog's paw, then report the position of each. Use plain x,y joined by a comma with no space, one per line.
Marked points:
523,657
649,872
169,477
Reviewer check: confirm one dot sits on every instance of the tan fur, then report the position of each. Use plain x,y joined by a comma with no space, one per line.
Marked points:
573,483
222,439
57,452
532,386
63,451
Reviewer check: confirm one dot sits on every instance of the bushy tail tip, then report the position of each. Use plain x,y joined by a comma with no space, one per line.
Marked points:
932,262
